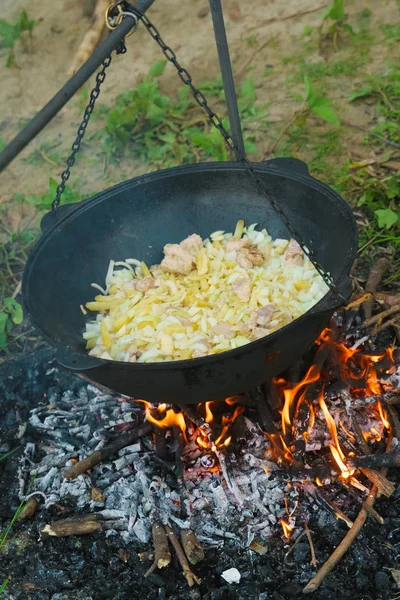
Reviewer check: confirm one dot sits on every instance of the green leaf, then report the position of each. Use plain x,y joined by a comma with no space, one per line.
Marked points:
3,586
365,91
386,217
203,140
335,11
250,147
321,107
347,27
8,34
2,144
3,321
14,309
157,68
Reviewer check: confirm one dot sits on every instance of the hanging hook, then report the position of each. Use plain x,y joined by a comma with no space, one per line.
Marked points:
112,20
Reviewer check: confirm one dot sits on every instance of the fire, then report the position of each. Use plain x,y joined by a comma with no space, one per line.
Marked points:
347,432
226,423
202,442
280,448
383,415
287,529
335,448
170,418
290,393
209,415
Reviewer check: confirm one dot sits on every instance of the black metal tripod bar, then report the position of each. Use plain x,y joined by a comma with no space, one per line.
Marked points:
48,112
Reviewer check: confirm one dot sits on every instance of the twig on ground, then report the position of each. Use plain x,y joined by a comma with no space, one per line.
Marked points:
346,542
379,317
162,555
375,277
292,16
192,547
376,135
67,527
313,560
373,513
188,573
105,453
29,510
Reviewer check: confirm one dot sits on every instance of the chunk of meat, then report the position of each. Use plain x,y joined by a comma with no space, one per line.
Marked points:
293,253
256,257
224,329
233,244
259,332
177,260
192,244
243,261
265,313
142,285
242,289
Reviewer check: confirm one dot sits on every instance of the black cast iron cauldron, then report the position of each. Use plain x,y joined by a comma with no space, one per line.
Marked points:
136,219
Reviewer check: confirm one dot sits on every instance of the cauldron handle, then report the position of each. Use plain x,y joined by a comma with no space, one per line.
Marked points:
288,164
53,217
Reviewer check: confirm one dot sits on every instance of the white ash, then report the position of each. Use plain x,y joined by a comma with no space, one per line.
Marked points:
237,493
219,505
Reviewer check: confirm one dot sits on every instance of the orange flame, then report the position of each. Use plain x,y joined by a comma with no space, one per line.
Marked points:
347,432
336,450
287,529
209,415
279,448
318,482
226,422
202,442
170,418
290,393
383,415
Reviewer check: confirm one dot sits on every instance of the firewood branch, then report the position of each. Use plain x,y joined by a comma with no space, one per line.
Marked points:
347,541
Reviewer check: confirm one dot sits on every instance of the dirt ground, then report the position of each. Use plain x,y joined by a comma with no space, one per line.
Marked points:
276,28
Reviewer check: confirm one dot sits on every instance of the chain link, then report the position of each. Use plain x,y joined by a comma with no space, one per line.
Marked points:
94,94
216,121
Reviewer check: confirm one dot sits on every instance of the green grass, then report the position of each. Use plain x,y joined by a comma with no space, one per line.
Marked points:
163,132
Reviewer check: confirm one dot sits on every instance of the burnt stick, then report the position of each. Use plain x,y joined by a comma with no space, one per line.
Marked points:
189,575
374,278
105,453
379,317
377,460
162,555
192,547
348,539
67,527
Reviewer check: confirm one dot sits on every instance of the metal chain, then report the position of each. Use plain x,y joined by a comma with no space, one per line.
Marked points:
217,123
94,94
214,119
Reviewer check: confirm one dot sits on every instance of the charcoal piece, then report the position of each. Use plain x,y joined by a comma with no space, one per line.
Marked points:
382,581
